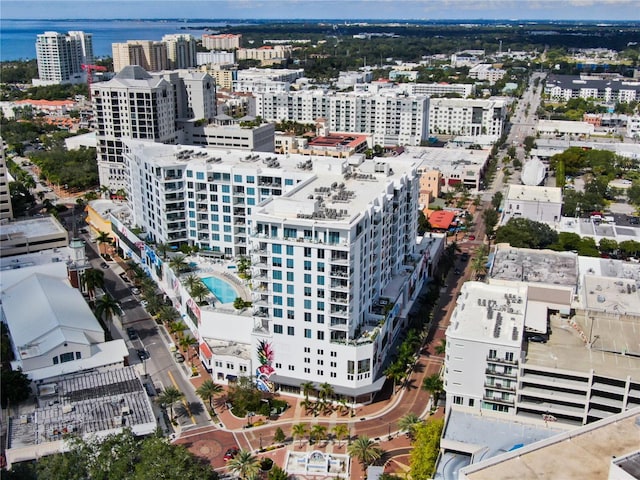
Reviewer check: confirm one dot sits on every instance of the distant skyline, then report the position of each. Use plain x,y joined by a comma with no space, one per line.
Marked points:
341,10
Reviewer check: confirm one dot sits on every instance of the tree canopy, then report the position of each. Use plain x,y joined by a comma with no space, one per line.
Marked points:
425,449
77,169
525,233
123,456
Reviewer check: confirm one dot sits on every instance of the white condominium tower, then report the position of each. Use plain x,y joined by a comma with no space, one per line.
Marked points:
332,244
392,117
181,50
61,56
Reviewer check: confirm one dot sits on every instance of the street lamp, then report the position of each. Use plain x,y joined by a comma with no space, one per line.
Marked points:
389,431
260,441
249,417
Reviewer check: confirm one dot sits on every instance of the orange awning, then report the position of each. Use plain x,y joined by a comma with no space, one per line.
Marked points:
205,350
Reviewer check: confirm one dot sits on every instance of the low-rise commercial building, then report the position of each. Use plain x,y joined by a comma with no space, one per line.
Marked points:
540,204
32,235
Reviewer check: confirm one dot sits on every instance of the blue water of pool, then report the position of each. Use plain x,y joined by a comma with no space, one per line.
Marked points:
223,291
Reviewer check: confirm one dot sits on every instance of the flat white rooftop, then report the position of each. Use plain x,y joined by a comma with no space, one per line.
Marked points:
491,313
33,227
527,193
446,159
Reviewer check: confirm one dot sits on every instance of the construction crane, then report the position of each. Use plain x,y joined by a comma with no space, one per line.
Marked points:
90,69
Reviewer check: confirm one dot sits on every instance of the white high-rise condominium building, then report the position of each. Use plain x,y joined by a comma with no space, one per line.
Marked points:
137,104
181,50
61,56
457,116
332,244
393,118
6,212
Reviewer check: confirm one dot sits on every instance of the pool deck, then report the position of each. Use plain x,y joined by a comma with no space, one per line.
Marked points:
210,267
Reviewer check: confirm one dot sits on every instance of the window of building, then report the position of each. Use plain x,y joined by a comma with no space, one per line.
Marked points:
277,328
307,291
493,353
320,335
291,331
307,316
307,333
307,265
320,318
290,277
66,357
457,400
307,278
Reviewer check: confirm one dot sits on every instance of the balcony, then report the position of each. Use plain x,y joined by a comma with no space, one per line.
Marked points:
501,387
495,373
501,361
498,400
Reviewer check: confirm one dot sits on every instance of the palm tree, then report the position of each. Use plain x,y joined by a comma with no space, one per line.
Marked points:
92,279
365,450
177,327
107,306
162,249
299,430
479,265
191,281
307,388
408,423
441,347
244,465
167,314
433,384
170,396
395,372
318,432
208,391
326,391
179,263
341,431
199,292
186,342
103,239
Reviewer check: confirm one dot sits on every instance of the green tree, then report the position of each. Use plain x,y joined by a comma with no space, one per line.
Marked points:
525,233
490,217
245,465
279,435
92,279
396,372
426,449
608,246
277,473
307,388
179,263
340,431
423,224
365,450
199,292
433,384
107,307
15,387
299,430
191,281
441,348
408,423
208,391
326,391
103,239
479,262
167,314
318,432
168,397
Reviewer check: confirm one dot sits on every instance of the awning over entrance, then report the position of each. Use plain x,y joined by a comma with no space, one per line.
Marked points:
205,350
339,390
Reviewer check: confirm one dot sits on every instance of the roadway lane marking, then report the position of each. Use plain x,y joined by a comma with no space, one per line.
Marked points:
184,400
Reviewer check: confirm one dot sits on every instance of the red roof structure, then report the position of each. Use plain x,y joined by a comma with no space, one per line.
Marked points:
441,219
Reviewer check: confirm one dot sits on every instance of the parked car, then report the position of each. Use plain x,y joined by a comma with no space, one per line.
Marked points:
179,357
135,290
472,237
104,265
144,303
538,339
231,453
132,333
142,354
464,257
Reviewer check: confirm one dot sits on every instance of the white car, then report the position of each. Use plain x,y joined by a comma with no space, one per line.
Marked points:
144,303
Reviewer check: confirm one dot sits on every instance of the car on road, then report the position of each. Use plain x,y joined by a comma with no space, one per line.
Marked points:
104,265
144,303
472,237
179,357
135,290
231,453
132,333
142,354
464,257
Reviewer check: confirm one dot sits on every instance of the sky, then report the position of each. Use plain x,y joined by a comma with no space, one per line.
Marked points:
324,9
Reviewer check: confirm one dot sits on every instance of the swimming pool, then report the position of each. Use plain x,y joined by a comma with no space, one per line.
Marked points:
223,291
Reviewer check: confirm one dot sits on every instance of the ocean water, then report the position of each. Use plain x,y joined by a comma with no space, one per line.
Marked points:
18,37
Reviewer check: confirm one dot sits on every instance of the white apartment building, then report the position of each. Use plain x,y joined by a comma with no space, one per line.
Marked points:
349,79
260,86
61,56
275,74
438,89
136,104
265,53
455,116
229,135
484,340
148,54
181,50
566,87
224,41
216,58
540,204
332,242
393,118
583,365
486,72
